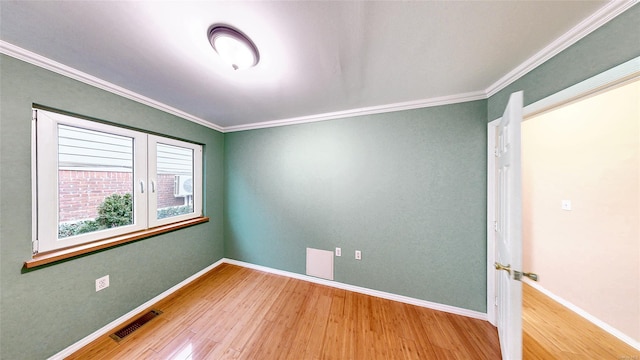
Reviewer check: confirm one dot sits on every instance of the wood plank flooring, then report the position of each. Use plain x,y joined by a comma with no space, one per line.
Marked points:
238,313
551,331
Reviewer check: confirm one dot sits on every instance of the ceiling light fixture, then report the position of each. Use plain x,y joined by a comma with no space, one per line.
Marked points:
233,46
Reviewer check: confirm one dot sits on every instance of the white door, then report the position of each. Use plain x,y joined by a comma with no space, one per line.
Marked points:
508,235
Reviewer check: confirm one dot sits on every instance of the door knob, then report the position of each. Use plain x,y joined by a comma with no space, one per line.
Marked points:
517,275
502,267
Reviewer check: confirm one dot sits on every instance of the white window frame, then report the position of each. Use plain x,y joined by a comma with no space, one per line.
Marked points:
45,158
152,170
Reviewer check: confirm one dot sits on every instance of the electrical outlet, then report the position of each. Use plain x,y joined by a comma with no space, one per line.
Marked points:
338,251
102,283
358,255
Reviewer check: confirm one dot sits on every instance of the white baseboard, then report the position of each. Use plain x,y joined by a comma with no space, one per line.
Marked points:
601,324
381,294
366,291
122,319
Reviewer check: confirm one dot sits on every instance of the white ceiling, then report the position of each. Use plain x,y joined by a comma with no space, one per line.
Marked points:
316,57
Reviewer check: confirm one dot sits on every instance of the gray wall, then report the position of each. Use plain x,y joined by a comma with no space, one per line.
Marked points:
407,188
47,309
614,43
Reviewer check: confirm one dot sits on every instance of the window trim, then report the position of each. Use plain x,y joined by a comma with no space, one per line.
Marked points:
152,141
47,190
45,193
49,257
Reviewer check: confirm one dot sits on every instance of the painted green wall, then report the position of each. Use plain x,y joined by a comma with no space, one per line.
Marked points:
45,310
614,43
406,188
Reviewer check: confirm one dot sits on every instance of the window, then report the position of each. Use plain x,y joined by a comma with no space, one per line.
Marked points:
95,181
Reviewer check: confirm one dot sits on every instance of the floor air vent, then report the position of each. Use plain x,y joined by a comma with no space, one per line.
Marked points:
135,325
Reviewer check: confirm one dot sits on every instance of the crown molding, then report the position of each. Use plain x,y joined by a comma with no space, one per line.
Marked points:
64,70
48,64
584,28
370,110
593,22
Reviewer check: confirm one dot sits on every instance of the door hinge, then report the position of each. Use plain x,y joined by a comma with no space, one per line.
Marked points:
34,246
496,152
495,226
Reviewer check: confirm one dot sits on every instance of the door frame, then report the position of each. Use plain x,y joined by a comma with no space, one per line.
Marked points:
616,76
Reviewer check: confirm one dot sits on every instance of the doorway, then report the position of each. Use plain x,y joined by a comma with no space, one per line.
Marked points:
581,207
613,78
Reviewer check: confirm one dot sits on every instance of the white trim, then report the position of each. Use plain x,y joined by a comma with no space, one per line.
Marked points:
48,64
64,70
370,110
593,22
197,195
34,185
491,234
605,14
381,294
627,71
584,28
366,291
47,192
576,309
615,76
117,322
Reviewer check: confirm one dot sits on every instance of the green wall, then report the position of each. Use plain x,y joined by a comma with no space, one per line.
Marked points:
45,310
406,188
616,42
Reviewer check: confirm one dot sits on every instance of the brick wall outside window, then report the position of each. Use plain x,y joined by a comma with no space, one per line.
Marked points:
165,192
81,192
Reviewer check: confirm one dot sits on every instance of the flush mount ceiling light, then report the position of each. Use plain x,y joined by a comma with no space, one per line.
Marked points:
233,46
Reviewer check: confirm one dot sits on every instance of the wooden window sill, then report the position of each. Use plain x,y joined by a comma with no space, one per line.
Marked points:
70,252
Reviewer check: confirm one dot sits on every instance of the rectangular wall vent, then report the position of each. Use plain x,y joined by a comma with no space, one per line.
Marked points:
135,325
320,263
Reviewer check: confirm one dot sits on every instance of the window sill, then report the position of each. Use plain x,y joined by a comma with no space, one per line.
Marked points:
62,254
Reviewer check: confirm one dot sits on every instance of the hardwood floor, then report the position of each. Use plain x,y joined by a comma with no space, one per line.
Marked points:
238,313
551,331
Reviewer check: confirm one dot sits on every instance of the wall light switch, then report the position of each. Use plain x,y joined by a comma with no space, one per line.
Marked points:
566,205
338,251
